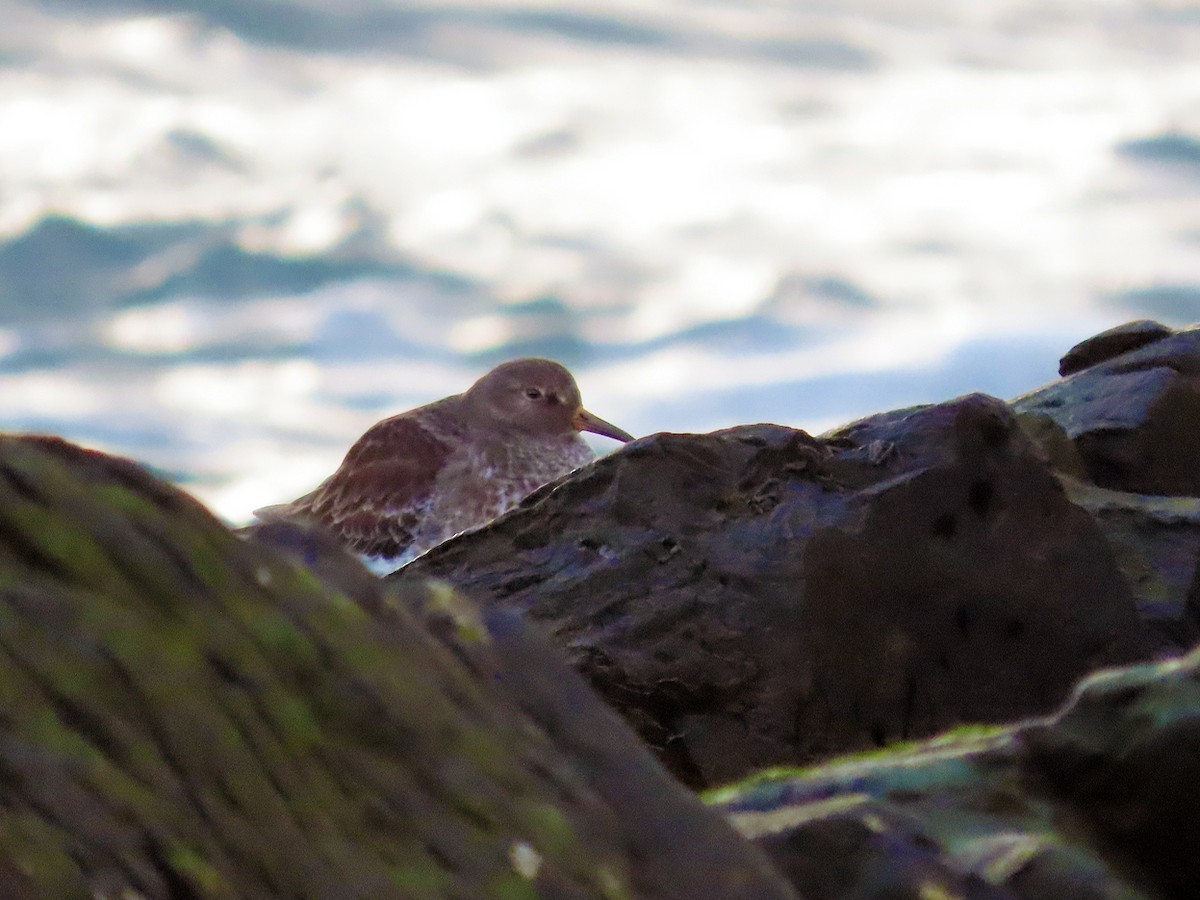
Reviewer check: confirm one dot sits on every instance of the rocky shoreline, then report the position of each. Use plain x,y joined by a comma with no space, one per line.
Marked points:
190,714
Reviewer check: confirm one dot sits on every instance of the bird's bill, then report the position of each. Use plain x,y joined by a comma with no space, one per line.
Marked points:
585,421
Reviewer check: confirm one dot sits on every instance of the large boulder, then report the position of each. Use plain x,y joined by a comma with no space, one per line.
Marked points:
1101,801
758,597
1130,404
187,714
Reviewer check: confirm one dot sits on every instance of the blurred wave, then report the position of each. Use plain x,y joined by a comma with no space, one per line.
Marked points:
233,234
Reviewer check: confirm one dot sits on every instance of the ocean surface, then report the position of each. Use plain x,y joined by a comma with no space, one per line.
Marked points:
235,233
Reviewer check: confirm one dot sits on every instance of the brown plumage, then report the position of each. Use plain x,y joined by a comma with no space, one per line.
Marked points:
418,478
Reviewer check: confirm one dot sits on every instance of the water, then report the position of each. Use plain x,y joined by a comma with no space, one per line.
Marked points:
233,235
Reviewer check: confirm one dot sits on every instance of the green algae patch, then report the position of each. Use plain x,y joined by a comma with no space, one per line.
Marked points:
39,851
60,544
210,566
277,634
549,830
423,880
906,762
122,499
298,722
511,886
192,866
46,728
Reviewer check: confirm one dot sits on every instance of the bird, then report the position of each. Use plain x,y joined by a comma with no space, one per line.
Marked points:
418,478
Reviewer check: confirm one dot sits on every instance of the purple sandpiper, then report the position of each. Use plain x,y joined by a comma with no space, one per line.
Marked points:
420,477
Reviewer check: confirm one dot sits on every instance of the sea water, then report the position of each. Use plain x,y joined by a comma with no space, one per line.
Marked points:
232,236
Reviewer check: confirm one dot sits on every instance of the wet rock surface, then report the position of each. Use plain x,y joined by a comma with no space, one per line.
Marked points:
758,597
1132,416
1101,801
187,714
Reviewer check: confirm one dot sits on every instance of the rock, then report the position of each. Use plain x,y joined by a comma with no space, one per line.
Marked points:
1101,801
1110,343
1058,450
1132,417
187,714
759,597
1156,545
1125,757
1120,438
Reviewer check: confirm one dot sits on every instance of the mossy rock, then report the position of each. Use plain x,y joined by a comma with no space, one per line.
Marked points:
187,713
1100,801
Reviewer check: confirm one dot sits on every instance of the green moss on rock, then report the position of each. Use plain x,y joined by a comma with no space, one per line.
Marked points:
191,714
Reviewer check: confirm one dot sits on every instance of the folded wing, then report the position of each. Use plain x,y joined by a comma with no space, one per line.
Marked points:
374,502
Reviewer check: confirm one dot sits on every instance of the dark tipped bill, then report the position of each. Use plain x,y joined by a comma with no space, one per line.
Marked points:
585,421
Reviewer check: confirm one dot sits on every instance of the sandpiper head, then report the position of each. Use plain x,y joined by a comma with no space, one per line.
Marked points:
537,396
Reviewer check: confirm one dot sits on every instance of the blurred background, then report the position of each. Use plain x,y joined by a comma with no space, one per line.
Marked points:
235,233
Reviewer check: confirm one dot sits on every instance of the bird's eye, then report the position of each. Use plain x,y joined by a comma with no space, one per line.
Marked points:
533,393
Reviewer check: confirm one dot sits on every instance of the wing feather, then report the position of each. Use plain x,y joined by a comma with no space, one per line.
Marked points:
376,498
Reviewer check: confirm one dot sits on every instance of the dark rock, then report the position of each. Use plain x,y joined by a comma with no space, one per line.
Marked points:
187,714
850,852
1125,756
1102,801
1156,546
1132,417
757,597
1110,343
1122,436
1192,604
1057,448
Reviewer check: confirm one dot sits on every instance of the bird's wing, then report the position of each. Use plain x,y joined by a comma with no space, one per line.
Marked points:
375,499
